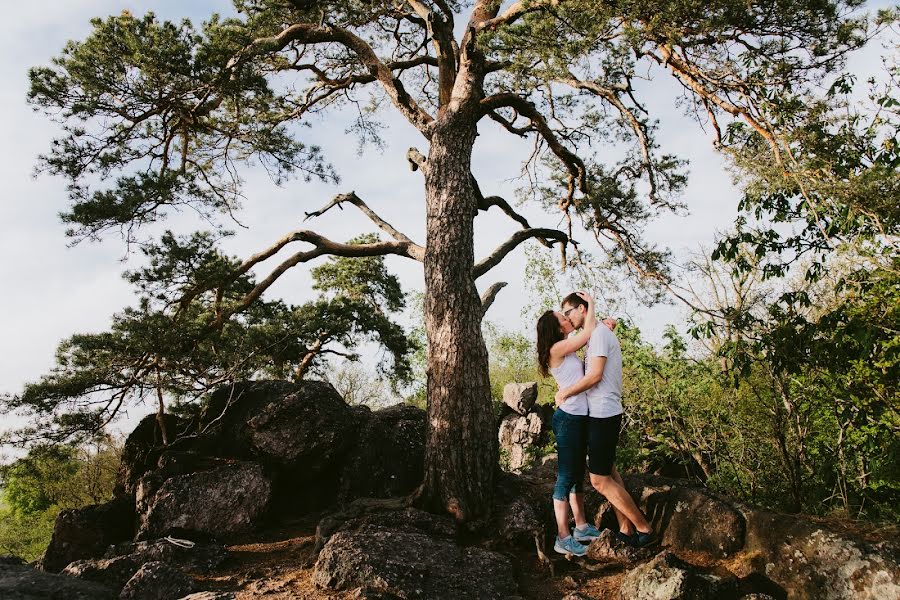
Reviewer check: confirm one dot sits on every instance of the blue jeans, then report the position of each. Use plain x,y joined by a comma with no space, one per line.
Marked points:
571,448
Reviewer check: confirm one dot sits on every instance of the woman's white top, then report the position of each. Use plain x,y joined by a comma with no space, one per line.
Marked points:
569,372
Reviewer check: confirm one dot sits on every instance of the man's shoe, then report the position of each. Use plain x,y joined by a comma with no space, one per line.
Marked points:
624,537
586,533
642,540
570,545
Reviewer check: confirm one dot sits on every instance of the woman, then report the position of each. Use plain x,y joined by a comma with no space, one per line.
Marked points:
556,356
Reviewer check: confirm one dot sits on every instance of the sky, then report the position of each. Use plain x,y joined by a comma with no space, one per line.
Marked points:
51,290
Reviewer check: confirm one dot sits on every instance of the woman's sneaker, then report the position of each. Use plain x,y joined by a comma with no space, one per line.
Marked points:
586,533
570,545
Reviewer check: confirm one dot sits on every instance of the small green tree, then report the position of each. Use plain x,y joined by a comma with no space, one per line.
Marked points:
165,347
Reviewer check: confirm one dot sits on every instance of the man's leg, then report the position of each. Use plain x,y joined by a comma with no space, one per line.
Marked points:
625,525
621,500
603,436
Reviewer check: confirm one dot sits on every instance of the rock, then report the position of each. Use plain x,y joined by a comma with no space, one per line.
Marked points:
10,560
520,396
302,427
114,573
685,517
218,502
140,452
519,436
201,557
519,514
388,456
810,562
82,533
668,578
210,596
411,566
608,549
361,514
22,582
157,581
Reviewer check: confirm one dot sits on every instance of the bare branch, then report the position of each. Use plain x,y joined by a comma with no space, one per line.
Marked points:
322,247
574,164
416,159
490,294
416,251
513,242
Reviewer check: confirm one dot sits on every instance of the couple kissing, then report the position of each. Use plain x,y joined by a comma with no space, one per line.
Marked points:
587,421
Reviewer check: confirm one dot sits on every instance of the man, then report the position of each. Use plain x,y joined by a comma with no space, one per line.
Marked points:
603,383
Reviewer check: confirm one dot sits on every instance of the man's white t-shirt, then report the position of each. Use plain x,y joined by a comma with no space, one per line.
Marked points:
605,398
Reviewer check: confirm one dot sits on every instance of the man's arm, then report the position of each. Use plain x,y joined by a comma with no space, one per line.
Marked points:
594,374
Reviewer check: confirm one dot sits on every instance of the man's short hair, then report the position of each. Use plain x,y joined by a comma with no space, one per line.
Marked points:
574,300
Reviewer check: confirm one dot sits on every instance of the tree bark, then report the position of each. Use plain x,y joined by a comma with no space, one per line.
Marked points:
461,449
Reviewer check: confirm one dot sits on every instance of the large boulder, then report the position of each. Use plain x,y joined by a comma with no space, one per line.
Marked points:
303,428
114,573
157,581
22,582
668,578
409,565
82,533
810,561
520,396
218,502
685,516
142,448
388,455
519,438
608,549
200,557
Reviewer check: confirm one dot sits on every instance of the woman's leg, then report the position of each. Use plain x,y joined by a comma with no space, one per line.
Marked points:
569,439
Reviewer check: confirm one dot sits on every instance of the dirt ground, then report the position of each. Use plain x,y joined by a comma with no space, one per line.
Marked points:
276,564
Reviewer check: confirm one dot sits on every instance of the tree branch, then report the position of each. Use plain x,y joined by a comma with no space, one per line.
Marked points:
490,294
416,251
307,33
575,166
512,243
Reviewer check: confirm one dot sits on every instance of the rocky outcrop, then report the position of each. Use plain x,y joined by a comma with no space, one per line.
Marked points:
141,450
199,557
408,565
523,429
87,532
686,516
221,501
608,549
520,396
157,581
519,439
22,582
301,427
114,573
387,458
668,578
811,561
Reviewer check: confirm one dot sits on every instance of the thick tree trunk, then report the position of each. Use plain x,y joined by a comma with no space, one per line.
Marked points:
461,448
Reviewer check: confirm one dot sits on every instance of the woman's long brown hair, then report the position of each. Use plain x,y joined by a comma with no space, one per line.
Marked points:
548,333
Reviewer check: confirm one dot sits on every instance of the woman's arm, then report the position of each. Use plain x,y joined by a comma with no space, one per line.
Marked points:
579,340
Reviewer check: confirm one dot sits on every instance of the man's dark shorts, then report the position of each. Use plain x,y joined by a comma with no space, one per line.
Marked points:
603,437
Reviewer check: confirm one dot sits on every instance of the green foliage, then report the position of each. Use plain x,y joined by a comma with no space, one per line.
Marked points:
48,479
166,346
